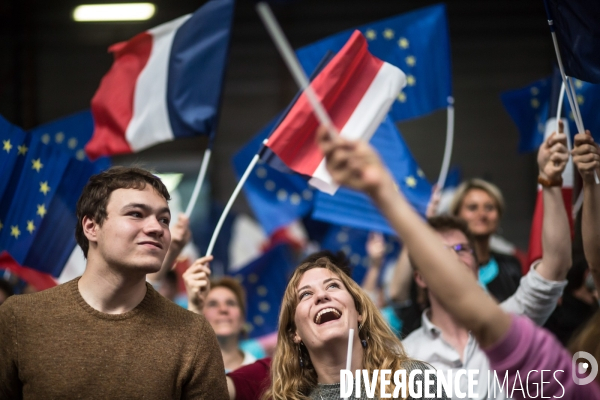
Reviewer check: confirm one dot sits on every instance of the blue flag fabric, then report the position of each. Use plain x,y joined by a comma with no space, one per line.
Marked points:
69,134
531,106
417,42
277,198
38,206
528,108
352,242
350,208
14,143
265,280
578,35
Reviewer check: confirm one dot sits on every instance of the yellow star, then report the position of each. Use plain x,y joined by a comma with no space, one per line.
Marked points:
580,99
411,61
30,226
72,143
258,320
7,146
402,97
388,34
410,80
535,103
44,188
22,149
578,84
80,155
371,34
41,210
403,43
37,165
421,173
571,117
1,225
45,138
410,181
535,91
59,137
14,231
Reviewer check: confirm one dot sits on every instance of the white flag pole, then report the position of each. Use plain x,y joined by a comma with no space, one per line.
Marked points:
561,97
449,143
286,51
349,352
231,200
570,92
199,182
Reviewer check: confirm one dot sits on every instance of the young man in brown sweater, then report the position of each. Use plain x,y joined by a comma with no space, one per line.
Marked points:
109,334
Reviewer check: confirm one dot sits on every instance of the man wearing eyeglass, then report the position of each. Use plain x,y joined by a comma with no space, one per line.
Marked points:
448,346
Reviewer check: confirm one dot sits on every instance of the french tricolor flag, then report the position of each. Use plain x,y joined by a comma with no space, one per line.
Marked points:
357,90
164,83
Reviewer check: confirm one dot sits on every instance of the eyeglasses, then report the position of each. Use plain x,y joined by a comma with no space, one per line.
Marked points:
461,249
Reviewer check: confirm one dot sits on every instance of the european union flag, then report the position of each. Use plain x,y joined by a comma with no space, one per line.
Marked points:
417,43
12,154
531,106
265,280
351,208
352,242
528,107
277,198
69,134
40,176
40,217
577,32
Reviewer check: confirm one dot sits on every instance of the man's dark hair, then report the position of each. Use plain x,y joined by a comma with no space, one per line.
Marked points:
445,223
338,259
94,197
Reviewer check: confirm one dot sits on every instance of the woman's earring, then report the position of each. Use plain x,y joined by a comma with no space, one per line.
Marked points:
363,342
300,356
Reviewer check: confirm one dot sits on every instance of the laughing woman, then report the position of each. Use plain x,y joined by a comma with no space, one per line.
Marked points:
320,305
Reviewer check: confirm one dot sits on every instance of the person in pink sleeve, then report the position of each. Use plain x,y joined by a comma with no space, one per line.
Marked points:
514,345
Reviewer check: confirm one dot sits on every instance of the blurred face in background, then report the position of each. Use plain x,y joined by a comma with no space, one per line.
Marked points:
480,211
222,310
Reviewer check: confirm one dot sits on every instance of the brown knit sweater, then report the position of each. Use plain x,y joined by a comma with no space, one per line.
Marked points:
53,345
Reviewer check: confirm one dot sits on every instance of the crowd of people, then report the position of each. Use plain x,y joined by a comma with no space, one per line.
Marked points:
450,302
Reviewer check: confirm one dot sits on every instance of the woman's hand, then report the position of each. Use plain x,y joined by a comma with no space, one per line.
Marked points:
553,155
197,283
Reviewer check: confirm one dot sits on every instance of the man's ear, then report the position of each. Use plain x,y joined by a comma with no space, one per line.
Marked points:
90,228
420,281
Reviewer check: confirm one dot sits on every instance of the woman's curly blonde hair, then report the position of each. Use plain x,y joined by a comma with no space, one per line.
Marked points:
291,382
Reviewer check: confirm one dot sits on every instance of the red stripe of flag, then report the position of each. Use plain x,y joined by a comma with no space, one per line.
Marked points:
340,86
112,105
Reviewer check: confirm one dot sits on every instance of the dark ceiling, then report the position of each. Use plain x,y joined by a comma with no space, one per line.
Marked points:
51,66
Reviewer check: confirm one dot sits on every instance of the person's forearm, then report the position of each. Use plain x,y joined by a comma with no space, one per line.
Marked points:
556,237
402,277
446,277
369,283
590,228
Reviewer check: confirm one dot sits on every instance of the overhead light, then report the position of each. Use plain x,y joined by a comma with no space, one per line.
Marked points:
114,12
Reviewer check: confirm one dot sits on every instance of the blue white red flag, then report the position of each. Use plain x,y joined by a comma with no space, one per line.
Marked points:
164,83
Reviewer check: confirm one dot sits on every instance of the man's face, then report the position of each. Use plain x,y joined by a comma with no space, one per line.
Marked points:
459,247
135,234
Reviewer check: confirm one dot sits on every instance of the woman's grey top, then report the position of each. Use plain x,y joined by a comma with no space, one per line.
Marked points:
332,391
